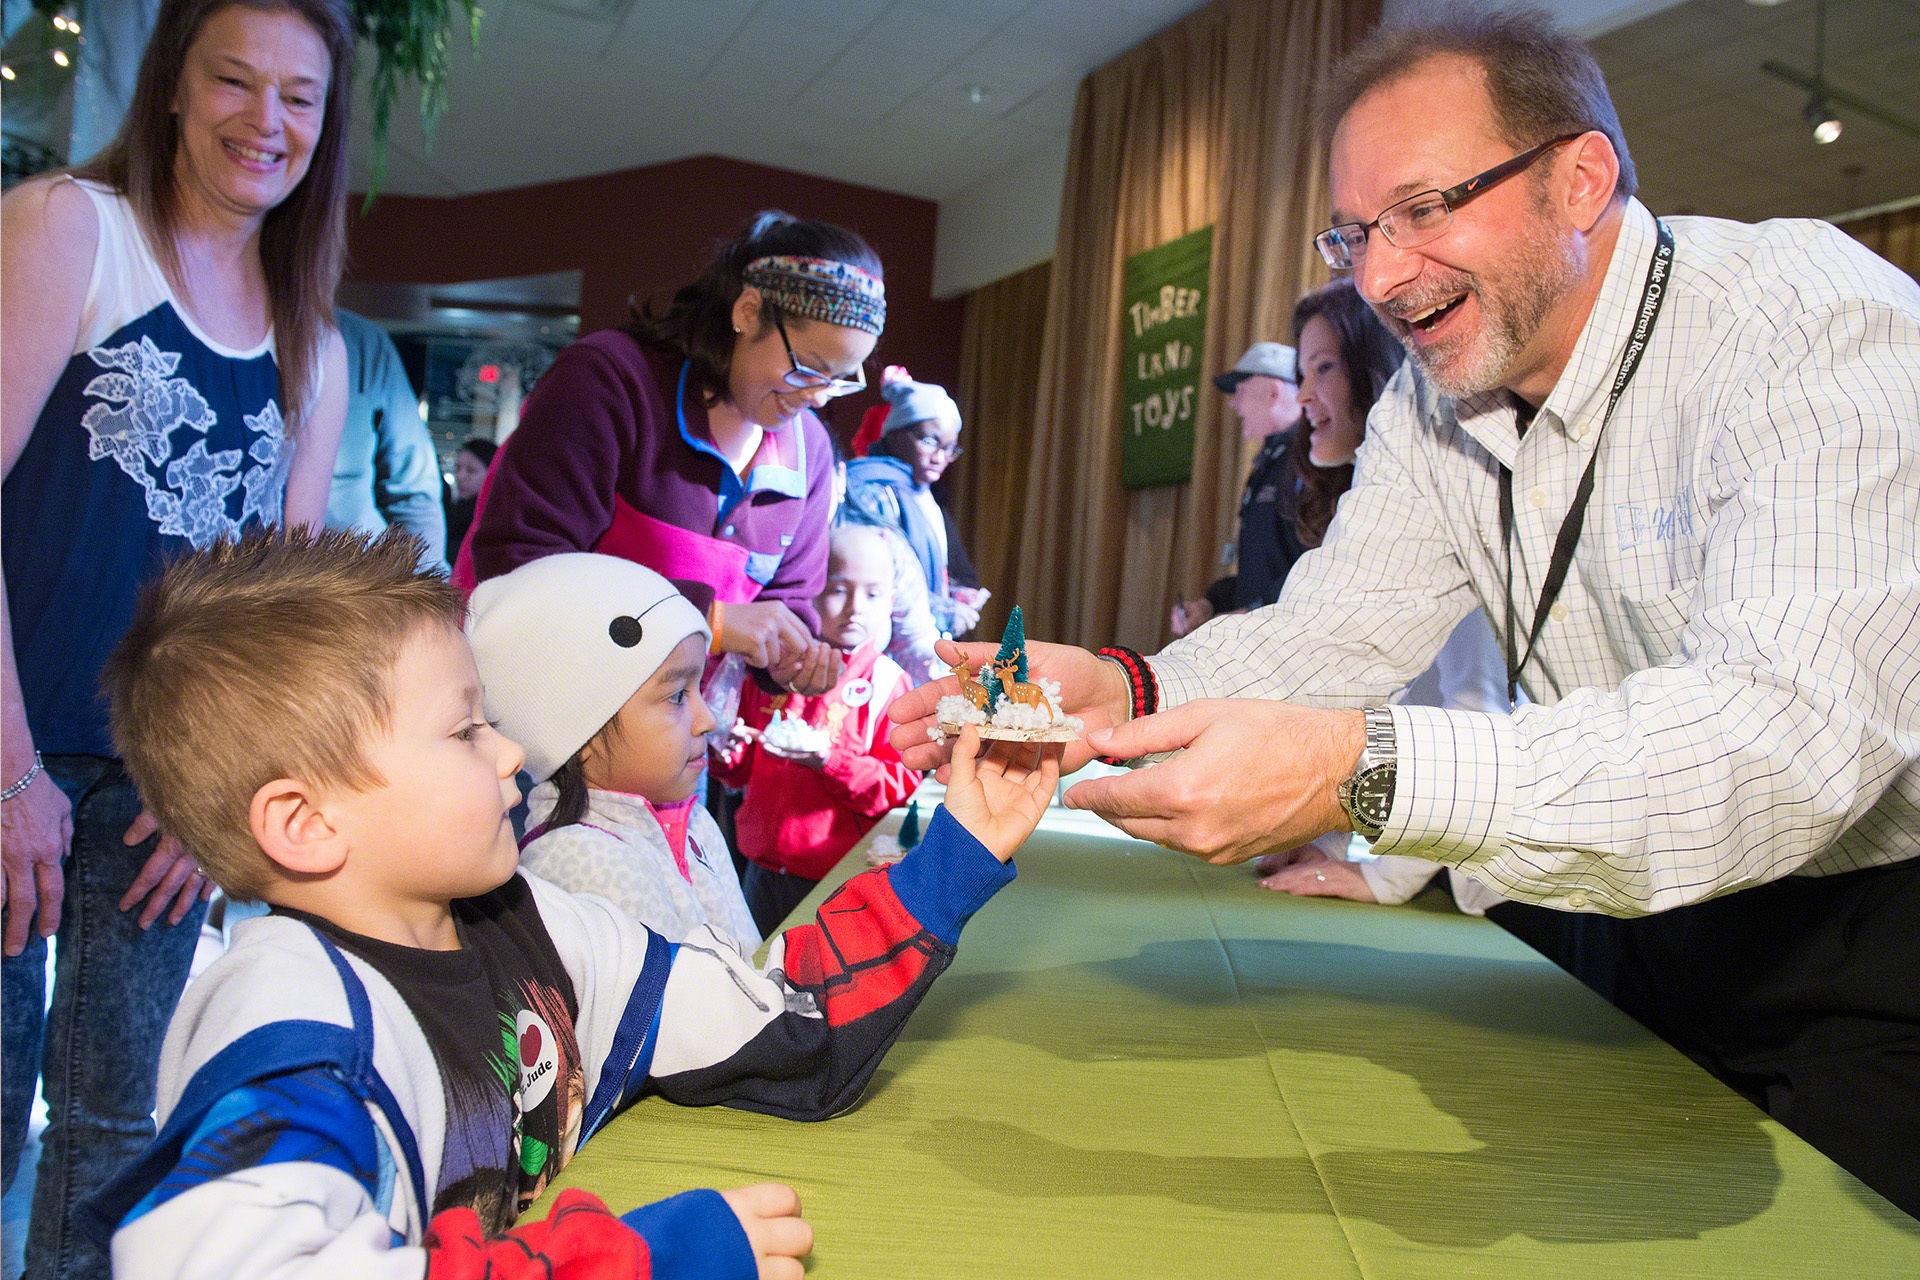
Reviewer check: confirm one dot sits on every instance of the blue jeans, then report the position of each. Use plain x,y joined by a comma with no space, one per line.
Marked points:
98,1048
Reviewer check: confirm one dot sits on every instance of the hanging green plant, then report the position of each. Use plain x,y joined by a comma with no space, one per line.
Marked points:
411,40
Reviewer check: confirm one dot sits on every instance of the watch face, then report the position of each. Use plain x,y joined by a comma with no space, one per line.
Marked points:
1373,794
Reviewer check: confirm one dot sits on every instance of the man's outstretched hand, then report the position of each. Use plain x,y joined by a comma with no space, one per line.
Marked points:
1251,776
1090,687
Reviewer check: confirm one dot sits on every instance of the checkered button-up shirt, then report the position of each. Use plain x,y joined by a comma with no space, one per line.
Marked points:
1728,690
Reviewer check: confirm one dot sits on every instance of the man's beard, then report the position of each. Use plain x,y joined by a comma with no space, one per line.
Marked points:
1512,305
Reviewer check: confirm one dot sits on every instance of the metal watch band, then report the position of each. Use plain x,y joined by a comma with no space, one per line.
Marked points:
1379,734
1376,759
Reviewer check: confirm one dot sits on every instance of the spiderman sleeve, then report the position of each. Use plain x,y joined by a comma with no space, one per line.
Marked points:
691,1236
802,1038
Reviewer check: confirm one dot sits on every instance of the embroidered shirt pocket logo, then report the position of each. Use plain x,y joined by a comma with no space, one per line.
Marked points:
1639,524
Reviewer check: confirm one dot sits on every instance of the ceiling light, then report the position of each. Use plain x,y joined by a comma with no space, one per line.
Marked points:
59,57
1826,125
1833,94
59,22
6,73
976,93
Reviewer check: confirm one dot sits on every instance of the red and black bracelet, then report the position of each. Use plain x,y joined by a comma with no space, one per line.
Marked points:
1140,679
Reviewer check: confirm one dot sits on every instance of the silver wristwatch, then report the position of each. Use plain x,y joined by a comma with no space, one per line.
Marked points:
1367,793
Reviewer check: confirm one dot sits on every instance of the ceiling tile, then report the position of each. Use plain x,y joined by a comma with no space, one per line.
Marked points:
1741,15
1651,94
947,31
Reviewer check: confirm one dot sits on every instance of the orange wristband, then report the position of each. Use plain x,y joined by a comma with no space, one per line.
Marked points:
716,622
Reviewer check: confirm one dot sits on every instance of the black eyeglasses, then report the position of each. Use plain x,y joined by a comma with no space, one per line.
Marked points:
1418,219
934,445
801,378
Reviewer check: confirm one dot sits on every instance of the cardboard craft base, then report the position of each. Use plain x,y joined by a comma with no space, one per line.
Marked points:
996,733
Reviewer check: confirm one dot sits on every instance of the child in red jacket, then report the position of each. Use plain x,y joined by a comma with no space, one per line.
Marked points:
819,779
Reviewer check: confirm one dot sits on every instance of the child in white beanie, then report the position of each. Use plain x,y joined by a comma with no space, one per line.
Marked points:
593,664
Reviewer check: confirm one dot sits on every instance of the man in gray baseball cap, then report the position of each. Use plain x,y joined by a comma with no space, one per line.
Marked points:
1263,360
1262,390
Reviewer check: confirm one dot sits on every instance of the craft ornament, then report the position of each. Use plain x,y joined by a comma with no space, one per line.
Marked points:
1002,702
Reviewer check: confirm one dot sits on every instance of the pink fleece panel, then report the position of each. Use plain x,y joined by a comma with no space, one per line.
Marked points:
673,552
673,821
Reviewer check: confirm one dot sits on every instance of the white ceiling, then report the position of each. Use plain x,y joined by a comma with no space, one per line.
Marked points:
1710,132
865,91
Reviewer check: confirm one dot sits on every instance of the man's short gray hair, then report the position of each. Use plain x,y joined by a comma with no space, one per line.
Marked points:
1544,83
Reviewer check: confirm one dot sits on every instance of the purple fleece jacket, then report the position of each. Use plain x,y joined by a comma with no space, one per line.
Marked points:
600,425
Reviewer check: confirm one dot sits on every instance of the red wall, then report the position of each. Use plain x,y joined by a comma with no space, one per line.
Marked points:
645,232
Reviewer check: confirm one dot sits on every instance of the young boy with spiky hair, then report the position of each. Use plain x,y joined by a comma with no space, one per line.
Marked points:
383,1073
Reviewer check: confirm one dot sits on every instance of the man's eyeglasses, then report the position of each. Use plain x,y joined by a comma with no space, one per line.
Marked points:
1421,218
801,378
935,445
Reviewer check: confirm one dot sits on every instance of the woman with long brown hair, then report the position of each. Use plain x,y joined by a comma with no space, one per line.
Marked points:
169,375
1346,359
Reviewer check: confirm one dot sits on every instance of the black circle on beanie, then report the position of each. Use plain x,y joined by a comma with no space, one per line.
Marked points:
624,631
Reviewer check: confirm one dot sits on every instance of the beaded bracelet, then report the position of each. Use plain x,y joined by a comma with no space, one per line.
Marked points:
1145,686
25,782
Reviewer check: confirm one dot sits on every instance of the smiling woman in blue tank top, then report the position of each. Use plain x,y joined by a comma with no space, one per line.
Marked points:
169,375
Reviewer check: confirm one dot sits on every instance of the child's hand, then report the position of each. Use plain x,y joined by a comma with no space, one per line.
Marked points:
769,1213
1000,797
815,760
731,747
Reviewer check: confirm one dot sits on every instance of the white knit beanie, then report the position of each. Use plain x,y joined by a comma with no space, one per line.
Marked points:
563,642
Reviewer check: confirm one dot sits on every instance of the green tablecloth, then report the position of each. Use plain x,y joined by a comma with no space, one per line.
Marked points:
1144,1066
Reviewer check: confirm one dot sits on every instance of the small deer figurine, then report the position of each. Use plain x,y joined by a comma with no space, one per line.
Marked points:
970,689
1025,694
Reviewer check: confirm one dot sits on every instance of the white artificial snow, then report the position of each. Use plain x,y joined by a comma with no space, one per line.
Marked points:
789,733
954,711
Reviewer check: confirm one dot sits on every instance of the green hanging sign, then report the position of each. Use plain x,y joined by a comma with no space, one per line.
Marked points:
1163,325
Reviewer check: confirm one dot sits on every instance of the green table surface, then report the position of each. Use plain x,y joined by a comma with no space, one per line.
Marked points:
1141,1065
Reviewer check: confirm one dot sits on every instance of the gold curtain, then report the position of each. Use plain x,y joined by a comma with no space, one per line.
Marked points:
1894,236
1000,335
1207,122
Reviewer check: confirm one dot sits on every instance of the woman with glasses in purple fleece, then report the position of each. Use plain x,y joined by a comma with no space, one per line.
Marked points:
687,441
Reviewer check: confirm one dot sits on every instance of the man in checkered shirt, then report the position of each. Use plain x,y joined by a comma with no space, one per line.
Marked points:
1717,771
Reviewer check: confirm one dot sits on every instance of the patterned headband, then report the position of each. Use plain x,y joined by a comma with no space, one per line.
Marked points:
821,289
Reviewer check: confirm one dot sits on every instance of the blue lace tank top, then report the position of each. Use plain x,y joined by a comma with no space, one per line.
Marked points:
155,441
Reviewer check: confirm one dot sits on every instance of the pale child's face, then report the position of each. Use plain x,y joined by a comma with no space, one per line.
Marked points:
658,744
438,829
857,605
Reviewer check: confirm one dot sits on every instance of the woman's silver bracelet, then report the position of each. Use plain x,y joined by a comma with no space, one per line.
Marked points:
25,782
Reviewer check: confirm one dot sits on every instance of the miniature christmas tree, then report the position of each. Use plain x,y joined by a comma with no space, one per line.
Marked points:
910,826
1013,648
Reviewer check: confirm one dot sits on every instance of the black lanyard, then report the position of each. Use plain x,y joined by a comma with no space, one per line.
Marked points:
1569,535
